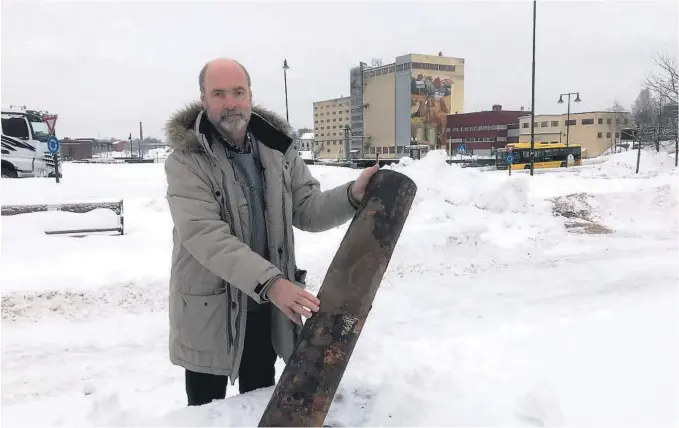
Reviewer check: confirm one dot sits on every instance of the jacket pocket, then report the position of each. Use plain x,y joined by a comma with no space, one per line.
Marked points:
203,322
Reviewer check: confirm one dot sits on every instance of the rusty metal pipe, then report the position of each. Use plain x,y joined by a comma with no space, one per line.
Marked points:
309,381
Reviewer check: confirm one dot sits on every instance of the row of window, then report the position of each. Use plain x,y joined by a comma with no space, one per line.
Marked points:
328,127
476,140
334,105
388,69
334,112
573,122
328,120
478,128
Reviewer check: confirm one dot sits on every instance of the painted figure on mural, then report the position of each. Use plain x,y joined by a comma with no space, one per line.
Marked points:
431,99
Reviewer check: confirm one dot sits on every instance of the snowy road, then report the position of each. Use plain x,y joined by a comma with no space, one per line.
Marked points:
491,313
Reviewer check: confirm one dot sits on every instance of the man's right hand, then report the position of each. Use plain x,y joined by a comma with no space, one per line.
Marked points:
292,299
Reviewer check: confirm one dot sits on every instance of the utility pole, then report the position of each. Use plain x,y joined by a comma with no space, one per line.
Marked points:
285,80
532,99
638,147
141,138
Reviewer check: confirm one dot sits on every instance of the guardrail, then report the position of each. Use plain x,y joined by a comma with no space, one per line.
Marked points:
78,208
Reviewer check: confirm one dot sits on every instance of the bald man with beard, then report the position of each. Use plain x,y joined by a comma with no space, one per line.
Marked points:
235,188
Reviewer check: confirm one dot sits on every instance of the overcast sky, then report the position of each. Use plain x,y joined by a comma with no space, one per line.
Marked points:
105,66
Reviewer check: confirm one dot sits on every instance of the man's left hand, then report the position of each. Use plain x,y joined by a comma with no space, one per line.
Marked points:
358,188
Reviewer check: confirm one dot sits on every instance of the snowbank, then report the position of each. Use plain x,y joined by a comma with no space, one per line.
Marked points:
651,164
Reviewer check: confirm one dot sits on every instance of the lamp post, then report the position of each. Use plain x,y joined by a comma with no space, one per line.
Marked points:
285,80
532,100
568,116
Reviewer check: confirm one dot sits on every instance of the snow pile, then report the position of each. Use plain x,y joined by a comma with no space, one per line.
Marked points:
624,164
491,312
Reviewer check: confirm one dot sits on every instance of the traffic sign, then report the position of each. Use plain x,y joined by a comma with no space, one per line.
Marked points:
53,144
50,121
509,158
461,148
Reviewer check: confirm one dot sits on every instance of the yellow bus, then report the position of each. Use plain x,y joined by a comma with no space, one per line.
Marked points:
547,155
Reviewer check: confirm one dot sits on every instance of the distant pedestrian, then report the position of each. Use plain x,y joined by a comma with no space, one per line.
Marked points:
236,188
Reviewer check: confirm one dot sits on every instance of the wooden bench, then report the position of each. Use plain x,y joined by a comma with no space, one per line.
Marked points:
78,208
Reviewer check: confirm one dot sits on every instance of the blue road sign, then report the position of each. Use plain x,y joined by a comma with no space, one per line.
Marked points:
53,144
510,158
461,148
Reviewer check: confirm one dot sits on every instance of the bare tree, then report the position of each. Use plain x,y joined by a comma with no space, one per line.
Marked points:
665,82
617,124
665,85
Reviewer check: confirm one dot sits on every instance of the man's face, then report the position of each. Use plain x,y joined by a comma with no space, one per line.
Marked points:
227,99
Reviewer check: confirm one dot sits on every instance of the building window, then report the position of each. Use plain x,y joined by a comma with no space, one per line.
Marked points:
555,123
599,135
600,121
570,122
587,121
608,135
544,124
524,125
608,121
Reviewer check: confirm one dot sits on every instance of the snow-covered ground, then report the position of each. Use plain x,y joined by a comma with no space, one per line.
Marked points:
509,301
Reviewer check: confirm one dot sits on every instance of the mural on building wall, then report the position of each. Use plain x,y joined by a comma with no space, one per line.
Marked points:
430,102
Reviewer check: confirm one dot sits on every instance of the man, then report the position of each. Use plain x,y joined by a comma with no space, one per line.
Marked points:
236,187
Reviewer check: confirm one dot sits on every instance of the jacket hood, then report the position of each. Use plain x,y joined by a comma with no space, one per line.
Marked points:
181,134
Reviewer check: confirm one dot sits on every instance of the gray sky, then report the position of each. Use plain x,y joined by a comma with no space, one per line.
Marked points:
105,66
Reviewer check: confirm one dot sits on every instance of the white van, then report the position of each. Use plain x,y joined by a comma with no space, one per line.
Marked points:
24,145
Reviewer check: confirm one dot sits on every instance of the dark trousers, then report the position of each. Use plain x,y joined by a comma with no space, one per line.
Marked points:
256,368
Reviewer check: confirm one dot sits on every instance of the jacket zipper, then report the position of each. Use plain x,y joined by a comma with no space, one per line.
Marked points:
229,218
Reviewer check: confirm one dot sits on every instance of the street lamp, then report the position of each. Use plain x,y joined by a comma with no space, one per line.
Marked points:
285,80
568,115
532,98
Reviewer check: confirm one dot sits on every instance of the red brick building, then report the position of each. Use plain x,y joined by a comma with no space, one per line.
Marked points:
483,131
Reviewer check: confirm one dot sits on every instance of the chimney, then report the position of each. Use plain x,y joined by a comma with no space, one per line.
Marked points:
497,107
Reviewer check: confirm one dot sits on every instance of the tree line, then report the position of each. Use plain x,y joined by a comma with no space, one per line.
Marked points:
655,113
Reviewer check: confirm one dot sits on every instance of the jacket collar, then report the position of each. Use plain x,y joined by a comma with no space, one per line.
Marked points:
183,129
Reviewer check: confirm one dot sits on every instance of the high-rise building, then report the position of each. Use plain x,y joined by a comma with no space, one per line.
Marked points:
330,118
404,102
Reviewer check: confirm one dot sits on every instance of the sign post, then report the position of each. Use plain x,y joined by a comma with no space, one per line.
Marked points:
53,147
53,141
461,149
510,159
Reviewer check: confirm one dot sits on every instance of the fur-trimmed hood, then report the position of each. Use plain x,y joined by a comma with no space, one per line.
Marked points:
181,134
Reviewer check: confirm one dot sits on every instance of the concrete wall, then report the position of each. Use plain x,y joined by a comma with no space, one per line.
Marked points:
402,97
380,108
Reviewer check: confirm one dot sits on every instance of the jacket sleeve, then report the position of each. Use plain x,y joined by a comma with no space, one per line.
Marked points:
314,210
196,215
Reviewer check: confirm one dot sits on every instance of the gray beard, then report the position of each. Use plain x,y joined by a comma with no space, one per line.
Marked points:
232,130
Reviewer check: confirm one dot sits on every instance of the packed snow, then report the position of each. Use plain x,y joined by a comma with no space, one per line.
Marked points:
509,301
